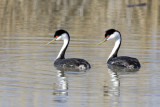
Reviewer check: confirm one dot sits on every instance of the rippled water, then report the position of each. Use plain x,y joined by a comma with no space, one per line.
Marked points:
28,77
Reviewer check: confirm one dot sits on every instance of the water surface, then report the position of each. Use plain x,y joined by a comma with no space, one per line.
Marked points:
28,77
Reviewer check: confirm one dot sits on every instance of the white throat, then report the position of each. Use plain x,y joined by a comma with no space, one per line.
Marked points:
65,39
117,38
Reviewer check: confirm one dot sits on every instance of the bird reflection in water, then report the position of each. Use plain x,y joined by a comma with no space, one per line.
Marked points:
60,87
112,90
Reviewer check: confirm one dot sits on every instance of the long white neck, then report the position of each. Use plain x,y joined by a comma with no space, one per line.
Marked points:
116,47
61,54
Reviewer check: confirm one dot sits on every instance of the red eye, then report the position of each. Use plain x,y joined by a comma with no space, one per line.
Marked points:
107,36
56,36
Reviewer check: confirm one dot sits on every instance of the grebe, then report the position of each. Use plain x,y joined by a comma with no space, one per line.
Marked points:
113,59
69,63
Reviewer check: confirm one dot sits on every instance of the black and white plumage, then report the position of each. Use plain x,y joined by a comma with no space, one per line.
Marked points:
69,63
113,59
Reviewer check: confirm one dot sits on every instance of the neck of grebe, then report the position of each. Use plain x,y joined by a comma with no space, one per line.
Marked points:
116,47
61,54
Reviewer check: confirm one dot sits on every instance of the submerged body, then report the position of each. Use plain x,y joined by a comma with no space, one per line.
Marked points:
124,61
69,63
72,63
114,59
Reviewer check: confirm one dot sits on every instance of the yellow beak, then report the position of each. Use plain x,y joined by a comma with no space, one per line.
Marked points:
51,41
102,41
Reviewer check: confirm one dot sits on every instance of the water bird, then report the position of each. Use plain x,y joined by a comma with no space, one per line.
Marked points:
67,63
119,61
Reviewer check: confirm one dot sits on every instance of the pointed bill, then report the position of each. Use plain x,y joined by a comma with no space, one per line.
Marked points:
102,41
51,41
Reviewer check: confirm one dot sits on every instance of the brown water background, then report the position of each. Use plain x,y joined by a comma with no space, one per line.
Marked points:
28,77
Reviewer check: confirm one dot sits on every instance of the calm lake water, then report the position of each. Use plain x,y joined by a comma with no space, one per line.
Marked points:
28,77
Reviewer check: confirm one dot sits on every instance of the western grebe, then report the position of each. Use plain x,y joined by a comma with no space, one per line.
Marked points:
122,61
71,63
